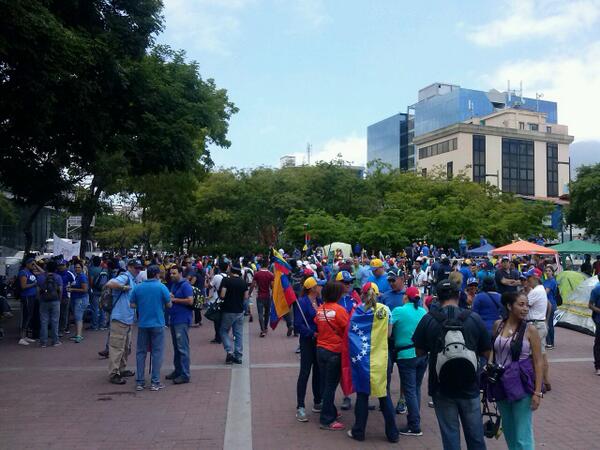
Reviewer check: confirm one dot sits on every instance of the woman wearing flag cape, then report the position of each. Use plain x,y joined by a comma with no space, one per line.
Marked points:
368,333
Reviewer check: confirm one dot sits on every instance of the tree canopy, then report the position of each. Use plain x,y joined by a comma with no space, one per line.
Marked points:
584,209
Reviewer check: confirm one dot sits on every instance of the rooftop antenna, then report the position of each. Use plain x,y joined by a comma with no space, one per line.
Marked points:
470,107
538,95
308,149
508,90
521,91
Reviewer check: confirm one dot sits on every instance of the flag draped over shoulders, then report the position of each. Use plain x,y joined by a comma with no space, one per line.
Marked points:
283,292
368,349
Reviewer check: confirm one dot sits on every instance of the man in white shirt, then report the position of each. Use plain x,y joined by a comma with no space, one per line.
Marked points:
215,285
419,278
538,310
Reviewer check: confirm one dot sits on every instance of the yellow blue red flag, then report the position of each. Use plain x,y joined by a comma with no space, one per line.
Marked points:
283,292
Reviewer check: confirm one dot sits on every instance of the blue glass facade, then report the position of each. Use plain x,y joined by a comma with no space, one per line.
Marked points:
443,110
387,139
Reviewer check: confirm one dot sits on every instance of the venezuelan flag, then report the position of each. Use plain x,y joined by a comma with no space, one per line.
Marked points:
283,291
368,350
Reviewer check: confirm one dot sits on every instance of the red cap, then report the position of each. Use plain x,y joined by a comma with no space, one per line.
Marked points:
413,292
308,272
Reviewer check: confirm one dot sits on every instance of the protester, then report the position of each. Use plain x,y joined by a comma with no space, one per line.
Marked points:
517,343
538,310
369,330
150,299
487,303
551,287
121,319
331,320
594,305
50,291
28,295
215,284
234,292
507,279
80,300
454,387
411,367
378,275
96,284
304,322
180,319
68,277
263,280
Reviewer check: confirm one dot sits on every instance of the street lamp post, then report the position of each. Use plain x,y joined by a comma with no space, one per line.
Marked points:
568,163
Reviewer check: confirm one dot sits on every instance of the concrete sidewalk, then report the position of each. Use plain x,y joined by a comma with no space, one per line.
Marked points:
60,398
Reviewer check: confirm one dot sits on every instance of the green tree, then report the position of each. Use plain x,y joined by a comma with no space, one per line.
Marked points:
584,209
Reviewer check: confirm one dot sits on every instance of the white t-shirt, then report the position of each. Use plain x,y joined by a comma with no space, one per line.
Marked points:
215,284
419,280
538,302
142,276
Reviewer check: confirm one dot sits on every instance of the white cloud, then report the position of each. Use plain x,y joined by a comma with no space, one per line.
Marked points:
311,11
204,25
352,149
525,19
572,80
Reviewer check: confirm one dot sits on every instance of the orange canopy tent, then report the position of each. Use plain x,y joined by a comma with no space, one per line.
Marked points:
523,248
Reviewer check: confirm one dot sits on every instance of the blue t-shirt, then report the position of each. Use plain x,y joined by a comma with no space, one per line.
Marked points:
595,300
79,280
150,298
181,313
347,302
122,310
30,291
41,279
381,282
363,274
393,299
425,250
404,323
552,292
466,273
67,277
488,305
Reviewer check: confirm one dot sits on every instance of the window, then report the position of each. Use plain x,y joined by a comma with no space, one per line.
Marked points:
552,169
533,127
482,123
478,158
521,125
518,166
450,170
549,130
438,149
424,172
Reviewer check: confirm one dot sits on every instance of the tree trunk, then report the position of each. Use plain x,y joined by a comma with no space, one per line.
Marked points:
28,225
88,210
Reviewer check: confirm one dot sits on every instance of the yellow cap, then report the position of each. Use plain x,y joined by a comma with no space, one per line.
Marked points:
376,263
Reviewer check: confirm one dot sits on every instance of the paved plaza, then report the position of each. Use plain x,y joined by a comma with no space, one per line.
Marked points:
59,398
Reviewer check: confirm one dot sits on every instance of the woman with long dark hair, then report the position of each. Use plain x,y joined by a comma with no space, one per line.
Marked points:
80,300
331,320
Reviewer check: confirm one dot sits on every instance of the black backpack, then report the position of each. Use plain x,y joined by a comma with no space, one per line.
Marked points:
100,280
49,289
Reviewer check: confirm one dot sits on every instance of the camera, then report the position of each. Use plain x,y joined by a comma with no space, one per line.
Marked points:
493,372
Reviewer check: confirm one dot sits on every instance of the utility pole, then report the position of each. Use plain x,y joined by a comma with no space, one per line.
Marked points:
308,149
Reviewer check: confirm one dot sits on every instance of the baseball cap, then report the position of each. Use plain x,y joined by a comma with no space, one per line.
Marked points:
413,292
505,258
152,271
311,282
370,285
134,262
472,281
344,276
535,272
376,263
468,261
308,272
446,287
394,273
29,260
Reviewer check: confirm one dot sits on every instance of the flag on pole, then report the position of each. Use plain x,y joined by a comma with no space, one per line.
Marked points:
283,292
368,349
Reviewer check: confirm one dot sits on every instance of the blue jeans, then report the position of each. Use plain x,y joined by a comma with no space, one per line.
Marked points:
153,338
97,313
361,413
263,305
308,362
448,410
550,337
412,371
517,424
181,350
330,364
49,313
233,321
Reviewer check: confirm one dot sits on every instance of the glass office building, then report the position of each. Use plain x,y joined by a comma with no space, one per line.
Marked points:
390,141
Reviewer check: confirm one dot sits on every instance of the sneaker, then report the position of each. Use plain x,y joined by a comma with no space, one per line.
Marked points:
23,341
549,347
351,436
237,360
180,380
171,376
346,404
333,426
78,339
140,387
401,407
127,373
215,341
229,359
298,350
57,344
262,334
317,408
598,372
67,332
103,354
408,432
301,415
116,379
43,345
430,404
157,387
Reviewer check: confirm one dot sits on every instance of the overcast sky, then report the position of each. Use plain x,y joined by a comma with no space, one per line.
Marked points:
321,71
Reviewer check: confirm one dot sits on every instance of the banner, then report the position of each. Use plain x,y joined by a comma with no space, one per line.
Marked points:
65,247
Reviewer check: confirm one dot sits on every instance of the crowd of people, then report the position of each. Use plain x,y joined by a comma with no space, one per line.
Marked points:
474,325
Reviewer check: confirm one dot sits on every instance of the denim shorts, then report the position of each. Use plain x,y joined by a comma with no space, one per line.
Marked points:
78,306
